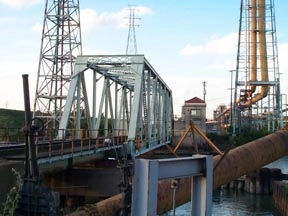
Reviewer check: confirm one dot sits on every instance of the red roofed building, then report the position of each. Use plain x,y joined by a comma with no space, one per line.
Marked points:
195,110
195,100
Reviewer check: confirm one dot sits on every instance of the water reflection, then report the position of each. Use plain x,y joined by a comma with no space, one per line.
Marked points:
228,202
282,164
239,203
232,203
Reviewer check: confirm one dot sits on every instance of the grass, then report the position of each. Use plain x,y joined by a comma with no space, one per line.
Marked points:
11,122
11,118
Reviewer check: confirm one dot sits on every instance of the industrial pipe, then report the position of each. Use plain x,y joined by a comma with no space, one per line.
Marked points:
253,46
263,51
234,164
257,27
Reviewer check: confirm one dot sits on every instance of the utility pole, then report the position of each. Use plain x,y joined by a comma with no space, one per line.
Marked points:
204,89
231,96
231,88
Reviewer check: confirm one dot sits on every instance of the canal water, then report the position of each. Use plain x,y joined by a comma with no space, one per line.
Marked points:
239,203
225,202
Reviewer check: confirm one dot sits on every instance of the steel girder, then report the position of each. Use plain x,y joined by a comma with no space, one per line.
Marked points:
128,98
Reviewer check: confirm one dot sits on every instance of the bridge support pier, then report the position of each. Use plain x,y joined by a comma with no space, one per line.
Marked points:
88,182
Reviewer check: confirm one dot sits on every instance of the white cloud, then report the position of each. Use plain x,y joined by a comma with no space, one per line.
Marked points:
190,50
90,19
142,10
6,20
37,27
218,53
223,46
217,46
20,3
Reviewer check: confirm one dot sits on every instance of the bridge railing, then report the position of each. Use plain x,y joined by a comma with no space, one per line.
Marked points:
47,146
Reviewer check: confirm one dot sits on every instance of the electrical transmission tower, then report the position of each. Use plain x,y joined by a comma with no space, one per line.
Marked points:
60,44
257,98
131,47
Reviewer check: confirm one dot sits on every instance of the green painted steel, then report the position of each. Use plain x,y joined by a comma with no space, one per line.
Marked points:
129,98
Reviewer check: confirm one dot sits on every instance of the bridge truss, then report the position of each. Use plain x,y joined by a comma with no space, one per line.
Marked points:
127,97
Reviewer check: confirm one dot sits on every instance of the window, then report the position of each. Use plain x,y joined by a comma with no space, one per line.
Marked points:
196,112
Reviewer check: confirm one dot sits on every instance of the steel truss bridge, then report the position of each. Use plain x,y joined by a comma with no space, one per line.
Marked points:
131,114
126,97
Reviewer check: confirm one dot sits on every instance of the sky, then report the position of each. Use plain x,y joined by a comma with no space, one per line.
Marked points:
186,42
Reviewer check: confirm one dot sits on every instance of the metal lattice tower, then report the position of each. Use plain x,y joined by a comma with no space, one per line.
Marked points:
60,44
257,98
131,47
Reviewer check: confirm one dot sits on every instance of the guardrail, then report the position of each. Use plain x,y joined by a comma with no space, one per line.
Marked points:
46,146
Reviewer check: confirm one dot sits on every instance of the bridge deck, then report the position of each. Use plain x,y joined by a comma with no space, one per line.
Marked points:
53,150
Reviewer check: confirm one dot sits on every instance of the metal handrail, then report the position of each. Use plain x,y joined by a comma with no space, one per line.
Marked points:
46,147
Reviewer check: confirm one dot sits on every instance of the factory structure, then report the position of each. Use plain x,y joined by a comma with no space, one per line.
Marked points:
61,98
257,101
257,97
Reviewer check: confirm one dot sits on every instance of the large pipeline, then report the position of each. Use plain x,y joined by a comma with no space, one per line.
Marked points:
234,164
257,28
263,51
253,42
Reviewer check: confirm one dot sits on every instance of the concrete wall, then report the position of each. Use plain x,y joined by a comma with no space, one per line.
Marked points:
179,129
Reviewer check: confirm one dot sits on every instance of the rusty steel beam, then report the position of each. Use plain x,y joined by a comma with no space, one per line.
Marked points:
234,164
110,206
192,127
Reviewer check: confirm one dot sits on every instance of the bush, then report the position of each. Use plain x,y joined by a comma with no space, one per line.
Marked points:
250,135
13,196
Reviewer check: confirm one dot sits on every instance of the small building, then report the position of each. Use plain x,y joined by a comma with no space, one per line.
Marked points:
195,110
